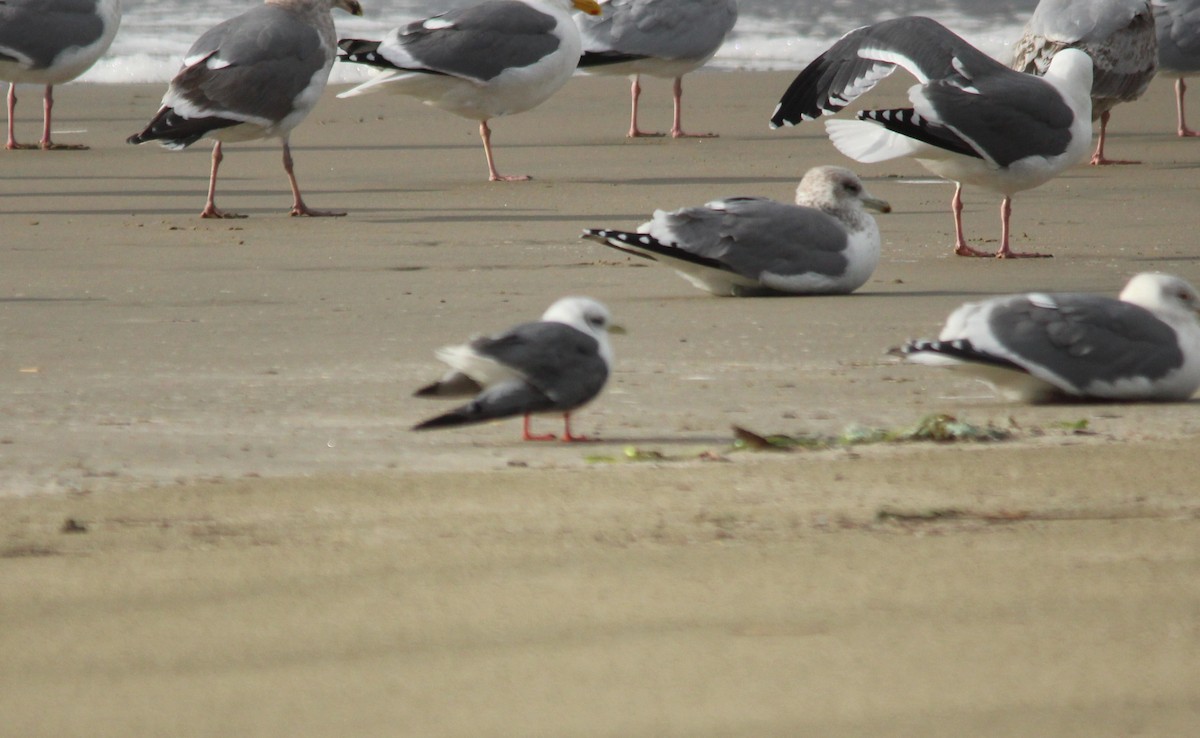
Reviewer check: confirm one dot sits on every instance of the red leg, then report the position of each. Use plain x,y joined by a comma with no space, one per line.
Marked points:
961,247
298,206
526,435
635,92
210,205
1183,130
1098,158
677,124
567,437
493,176
1005,252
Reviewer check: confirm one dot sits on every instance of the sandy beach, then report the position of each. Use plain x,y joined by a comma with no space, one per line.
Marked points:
215,521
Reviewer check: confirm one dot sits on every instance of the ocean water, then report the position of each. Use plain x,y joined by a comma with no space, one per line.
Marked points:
770,34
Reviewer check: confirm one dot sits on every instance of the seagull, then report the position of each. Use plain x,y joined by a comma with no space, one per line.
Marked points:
50,42
1178,24
662,38
743,246
256,75
496,58
1118,35
554,365
973,119
1039,347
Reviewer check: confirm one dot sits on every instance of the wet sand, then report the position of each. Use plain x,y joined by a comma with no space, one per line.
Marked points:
223,407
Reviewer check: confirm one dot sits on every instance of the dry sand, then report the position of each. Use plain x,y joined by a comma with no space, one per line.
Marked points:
222,408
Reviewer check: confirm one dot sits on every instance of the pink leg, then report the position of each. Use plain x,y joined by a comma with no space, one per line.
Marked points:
12,106
210,206
635,92
1180,89
526,435
1005,252
961,247
1098,158
298,206
47,144
493,176
677,125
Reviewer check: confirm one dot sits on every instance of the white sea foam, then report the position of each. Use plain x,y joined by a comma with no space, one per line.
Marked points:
155,34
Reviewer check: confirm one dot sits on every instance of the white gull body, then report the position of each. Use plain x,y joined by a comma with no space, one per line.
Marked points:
1038,347
497,58
1118,35
973,120
1178,25
661,38
50,42
256,75
748,246
553,365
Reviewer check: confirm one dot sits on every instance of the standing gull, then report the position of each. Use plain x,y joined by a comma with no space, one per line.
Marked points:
49,42
742,246
662,38
497,58
1178,24
1118,35
973,119
1039,347
254,76
554,365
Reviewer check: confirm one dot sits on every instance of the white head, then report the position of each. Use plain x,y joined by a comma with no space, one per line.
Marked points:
586,315
1071,73
582,313
1163,294
836,190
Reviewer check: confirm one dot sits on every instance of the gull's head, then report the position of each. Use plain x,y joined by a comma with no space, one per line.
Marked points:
836,189
584,314
1071,73
1164,294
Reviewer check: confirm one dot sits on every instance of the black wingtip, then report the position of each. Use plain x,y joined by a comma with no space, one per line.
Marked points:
459,416
606,58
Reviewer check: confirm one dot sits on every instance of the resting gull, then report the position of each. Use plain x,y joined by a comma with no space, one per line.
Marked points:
661,38
50,42
554,365
973,119
1178,23
496,58
256,75
1117,34
741,246
1038,347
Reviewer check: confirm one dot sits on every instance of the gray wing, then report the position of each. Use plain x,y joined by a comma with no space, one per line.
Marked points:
556,361
753,236
664,29
986,122
35,32
861,58
1178,25
1085,339
477,43
257,64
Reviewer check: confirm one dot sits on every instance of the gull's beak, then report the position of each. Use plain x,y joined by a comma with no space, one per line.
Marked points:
353,7
617,330
591,7
875,203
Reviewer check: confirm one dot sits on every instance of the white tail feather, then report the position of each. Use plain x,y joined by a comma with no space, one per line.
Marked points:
869,143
